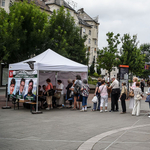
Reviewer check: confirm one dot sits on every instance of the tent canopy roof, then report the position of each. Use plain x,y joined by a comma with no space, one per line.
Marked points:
50,60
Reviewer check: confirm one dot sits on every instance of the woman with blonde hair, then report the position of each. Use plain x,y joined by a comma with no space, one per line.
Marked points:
131,103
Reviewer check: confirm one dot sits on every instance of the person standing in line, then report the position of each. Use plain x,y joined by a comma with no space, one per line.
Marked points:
49,98
68,95
60,88
131,102
137,103
142,85
104,96
123,96
114,94
98,96
85,93
76,93
148,93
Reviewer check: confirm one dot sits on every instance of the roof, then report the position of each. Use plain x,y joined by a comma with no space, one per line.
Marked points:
42,5
50,60
84,16
83,22
58,3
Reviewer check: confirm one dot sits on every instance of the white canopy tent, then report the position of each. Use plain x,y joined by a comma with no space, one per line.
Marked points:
53,62
50,60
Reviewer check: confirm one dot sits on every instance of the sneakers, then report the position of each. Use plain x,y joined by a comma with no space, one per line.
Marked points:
82,110
101,111
149,116
106,110
47,108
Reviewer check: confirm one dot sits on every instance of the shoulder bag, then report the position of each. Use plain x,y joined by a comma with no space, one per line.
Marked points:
148,99
50,92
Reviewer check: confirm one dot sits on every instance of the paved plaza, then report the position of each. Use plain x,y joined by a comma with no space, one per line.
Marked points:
63,129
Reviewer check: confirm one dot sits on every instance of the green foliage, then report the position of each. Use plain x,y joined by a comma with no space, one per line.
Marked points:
64,37
107,56
145,74
92,67
145,49
23,32
26,31
131,55
95,74
98,69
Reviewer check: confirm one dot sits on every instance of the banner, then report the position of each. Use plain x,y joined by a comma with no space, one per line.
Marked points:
22,84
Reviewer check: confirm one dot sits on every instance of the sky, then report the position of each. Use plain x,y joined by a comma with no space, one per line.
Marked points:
119,16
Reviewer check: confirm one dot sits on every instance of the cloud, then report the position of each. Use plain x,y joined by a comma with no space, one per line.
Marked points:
120,16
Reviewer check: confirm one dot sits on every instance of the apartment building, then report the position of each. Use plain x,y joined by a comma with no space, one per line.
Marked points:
89,27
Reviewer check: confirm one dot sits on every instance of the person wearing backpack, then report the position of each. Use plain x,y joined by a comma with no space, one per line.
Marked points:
95,105
77,89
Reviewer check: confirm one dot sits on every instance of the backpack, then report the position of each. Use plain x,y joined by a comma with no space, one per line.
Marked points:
77,88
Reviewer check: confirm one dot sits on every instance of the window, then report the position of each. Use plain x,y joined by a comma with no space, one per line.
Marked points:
89,41
89,49
95,42
83,30
89,32
94,50
3,3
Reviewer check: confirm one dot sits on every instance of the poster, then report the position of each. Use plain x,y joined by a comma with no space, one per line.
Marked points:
22,84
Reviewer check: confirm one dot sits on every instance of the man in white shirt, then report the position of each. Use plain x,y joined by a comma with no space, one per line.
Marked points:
114,94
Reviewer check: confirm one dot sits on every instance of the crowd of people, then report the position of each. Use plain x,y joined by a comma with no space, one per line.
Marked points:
77,92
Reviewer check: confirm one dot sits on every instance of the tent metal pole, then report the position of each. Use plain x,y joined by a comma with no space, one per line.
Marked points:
37,112
7,107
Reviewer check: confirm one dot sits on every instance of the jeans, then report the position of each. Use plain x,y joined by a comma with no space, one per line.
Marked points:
84,101
99,102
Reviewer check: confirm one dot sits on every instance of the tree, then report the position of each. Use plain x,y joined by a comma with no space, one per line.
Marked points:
107,56
145,49
25,32
64,37
131,55
3,21
92,67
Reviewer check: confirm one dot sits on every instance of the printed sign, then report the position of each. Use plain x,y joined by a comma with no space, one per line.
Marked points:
22,84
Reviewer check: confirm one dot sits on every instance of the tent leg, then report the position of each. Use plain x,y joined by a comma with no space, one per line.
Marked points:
37,112
6,107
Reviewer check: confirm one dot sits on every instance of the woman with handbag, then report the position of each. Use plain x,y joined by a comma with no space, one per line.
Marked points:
97,104
104,96
60,93
123,96
49,97
131,102
137,97
68,94
85,93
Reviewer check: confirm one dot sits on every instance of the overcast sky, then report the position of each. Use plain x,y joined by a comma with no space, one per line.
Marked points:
119,16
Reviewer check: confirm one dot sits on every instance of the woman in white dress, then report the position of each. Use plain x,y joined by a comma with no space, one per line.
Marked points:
131,103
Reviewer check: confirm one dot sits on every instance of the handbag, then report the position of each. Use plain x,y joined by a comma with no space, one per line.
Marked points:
95,99
50,92
138,97
131,94
148,99
57,95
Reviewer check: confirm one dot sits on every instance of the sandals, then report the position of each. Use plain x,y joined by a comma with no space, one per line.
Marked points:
73,109
93,110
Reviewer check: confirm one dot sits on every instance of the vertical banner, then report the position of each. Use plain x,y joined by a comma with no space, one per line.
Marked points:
22,84
124,74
